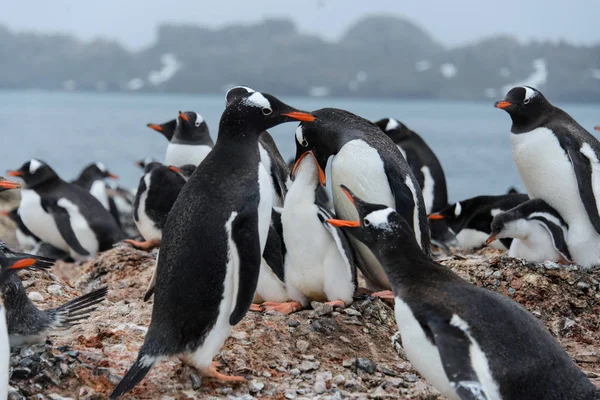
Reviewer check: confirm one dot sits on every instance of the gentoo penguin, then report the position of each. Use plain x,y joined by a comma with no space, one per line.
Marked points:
460,337
422,160
559,163
214,237
63,214
157,191
92,178
189,139
471,219
27,324
367,159
539,233
319,261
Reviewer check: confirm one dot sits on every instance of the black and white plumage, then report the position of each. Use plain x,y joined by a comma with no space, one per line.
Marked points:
422,160
62,214
364,157
27,324
461,337
189,139
470,219
93,179
214,236
559,162
539,233
27,240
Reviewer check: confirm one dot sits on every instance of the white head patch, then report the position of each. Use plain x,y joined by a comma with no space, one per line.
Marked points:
379,218
199,119
529,93
495,211
34,165
256,99
392,124
101,167
299,134
457,209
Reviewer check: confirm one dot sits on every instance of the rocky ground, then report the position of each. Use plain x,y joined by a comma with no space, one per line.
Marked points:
319,353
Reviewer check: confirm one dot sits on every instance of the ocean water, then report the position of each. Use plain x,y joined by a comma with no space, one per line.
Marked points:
69,130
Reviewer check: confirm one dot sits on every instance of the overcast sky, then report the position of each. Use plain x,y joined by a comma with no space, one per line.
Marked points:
451,22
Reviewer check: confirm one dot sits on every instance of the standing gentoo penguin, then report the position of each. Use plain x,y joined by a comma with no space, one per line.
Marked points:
189,139
422,160
62,214
367,159
319,262
471,219
92,178
539,233
559,163
27,324
467,341
214,237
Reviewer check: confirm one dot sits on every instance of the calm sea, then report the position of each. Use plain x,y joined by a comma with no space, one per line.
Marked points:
68,130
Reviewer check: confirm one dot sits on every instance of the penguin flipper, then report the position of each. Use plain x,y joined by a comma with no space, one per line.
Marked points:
136,373
244,233
454,344
558,237
273,253
583,167
63,223
404,201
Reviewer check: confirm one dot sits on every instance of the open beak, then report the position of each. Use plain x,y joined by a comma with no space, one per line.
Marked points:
5,184
341,223
322,177
300,116
157,128
502,104
491,238
183,117
23,263
112,176
174,169
14,173
435,216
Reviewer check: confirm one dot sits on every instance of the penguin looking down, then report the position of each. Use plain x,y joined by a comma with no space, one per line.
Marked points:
28,325
471,219
367,159
422,160
189,139
538,231
214,237
461,337
558,161
92,178
63,214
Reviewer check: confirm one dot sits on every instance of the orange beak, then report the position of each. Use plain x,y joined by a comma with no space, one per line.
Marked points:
491,239
435,216
502,104
300,116
23,263
14,173
157,128
174,169
322,177
348,195
340,223
112,176
4,184
183,117
597,128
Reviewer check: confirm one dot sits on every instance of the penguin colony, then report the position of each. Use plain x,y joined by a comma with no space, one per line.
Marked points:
254,233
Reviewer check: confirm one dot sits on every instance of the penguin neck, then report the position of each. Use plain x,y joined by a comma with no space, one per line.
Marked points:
197,136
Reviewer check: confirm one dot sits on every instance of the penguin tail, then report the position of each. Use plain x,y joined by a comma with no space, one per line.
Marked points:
136,373
78,309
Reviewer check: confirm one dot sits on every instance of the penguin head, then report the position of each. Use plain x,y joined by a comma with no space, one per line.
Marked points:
10,262
524,104
34,172
395,129
191,127
508,224
307,159
185,171
255,112
144,161
5,184
167,129
96,171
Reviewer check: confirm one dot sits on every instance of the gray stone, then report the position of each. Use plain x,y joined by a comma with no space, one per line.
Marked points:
35,296
379,393
290,394
320,387
321,308
348,362
309,366
352,311
294,371
339,379
256,386
293,323
54,289
366,365
196,381
302,345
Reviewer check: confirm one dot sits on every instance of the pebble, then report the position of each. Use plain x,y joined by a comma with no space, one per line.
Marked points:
302,345
26,352
35,296
348,362
320,387
293,323
290,394
309,366
379,393
54,289
239,335
55,396
224,390
353,385
295,371
256,386
396,382
366,365
321,308
196,381
339,379
352,311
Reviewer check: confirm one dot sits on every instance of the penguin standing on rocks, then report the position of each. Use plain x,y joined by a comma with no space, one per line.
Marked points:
422,160
92,178
471,219
367,159
214,237
559,162
189,139
62,214
539,233
28,325
461,337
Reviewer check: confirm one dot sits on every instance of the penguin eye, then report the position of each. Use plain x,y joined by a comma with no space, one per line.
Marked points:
198,123
267,111
366,222
526,101
304,143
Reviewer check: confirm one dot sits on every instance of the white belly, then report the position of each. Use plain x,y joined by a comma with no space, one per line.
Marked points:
4,356
38,221
26,242
98,190
428,189
184,154
423,355
536,246
359,167
265,206
84,233
474,239
145,225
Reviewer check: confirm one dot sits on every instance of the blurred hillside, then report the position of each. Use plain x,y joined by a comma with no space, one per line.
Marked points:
377,57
